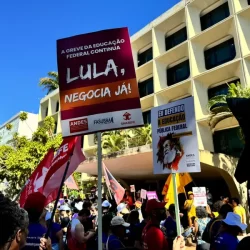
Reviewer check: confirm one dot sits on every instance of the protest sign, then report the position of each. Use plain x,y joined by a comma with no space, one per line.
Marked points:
200,196
144,194
152,195
97,83
132,188
175,145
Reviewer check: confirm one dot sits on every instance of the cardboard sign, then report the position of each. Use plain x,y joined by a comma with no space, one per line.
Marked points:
200,196
97,83
132,188
152,195
175,144
144,194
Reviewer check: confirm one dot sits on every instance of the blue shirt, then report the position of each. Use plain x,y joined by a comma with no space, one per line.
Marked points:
225,241
170,226
36,232
114,243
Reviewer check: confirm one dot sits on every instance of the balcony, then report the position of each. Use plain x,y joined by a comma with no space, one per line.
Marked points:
198,8
241,5
243,21
209,38
168,27
170,57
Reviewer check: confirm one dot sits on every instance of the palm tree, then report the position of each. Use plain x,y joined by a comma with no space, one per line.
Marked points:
218,107
112,142
50,83
142,136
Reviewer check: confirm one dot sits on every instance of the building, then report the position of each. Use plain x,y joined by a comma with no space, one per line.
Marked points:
23,128
193,49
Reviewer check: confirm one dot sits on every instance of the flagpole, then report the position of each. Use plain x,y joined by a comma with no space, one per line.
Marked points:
99,187
176,203
57,198
19,193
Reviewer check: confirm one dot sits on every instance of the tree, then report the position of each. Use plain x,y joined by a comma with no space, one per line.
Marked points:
18,161
112,142
218,106
9,126
23,116
142,136
50,83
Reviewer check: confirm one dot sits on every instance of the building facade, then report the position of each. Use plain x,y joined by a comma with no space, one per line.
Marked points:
194,49
23,128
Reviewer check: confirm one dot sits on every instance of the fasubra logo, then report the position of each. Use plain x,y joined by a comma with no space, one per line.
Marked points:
78,125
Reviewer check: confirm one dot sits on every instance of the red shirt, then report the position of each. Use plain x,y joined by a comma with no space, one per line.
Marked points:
153,238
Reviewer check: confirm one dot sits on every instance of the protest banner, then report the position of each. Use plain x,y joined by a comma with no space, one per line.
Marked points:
200,196
175,144
143,194
132,188
152,195
97,82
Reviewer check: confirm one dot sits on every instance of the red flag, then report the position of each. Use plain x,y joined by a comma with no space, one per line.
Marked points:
117,190
36,180
71,183
71,146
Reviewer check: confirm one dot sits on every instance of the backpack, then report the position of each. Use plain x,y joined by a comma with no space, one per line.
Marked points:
207,234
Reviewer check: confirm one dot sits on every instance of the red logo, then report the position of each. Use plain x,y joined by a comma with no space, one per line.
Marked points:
78,125
127,116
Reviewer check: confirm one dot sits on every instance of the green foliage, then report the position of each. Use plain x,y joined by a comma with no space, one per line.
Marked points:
50,83
118,140
9,126
23,116
218,108
17,162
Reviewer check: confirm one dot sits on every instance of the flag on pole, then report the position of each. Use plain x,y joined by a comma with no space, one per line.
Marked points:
116,189
71,183
70,149
181,181
36,180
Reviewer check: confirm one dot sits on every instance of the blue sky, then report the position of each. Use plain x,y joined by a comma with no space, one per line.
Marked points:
29,30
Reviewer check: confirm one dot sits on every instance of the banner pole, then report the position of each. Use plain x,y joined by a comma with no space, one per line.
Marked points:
57,199
99,187
176,203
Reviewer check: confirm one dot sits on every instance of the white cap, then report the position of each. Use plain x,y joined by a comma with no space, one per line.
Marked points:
120,207
106,204
64,208
79,205
233,219
48,216
119,221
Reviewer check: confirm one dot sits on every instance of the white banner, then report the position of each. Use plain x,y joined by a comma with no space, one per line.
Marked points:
175,145
200,196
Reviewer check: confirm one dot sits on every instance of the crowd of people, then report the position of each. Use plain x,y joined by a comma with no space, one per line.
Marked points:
132,224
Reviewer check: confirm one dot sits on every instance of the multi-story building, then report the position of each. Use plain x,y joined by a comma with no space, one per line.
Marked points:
23,128
194,49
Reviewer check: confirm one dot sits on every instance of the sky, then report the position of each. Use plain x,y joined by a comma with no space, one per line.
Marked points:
29,30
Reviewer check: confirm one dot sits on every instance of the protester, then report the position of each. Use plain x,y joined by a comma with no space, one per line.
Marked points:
122,211
128,199
14,224
152,236
190,207
238,209
216,208
118,231
200,225
77,237
227,238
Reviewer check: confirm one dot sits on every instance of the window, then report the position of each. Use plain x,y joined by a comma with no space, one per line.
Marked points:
46,111
221,89
57,106
176,38
55,128
147,117
145,56
178,73
215,16
220,54
146,87
248,2
228,142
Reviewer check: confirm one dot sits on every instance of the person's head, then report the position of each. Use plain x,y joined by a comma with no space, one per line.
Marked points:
83,215
14,225
224,210
64,211
127,193
133,217
217,206
105,206
118,226
87,205
244,243
190,195
235,202
122,209
201,212
171,210
232,224
225,199
156,210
